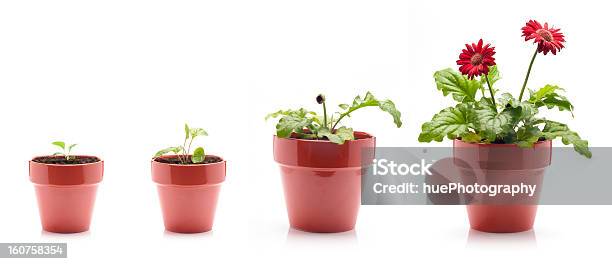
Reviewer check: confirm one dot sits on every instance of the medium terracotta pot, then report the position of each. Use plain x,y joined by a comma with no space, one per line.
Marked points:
188,194
503,164
66,194
322,181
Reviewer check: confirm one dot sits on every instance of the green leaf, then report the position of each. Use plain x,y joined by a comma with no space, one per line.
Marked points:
548,96
493,125
60,144
471,137
343,106
341,134
294,121
369,100
289,112
175,150
389,107
554,129
452,122
345,133
507,100
198,155
196,132
493,76
526,136
186,131
289,124
453,82
58,154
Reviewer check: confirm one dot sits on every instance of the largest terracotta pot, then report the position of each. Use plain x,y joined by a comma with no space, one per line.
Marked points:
322,181
66,194
494,164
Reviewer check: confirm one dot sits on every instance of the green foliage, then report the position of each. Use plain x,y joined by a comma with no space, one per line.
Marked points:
452,122
477,120
491,123
308,125
548,96
66,150
183,152
554,130
461,88
198,155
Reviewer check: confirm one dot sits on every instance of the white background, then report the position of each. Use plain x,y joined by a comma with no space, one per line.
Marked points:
120,78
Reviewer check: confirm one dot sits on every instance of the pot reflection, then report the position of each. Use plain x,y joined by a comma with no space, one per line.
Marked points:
501,241
297,238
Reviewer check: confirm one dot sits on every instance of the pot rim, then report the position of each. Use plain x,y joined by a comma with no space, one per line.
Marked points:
367,135
189,165
498,145
100,160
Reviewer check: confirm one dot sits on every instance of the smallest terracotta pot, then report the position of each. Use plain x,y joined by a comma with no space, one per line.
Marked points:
188,194
66,194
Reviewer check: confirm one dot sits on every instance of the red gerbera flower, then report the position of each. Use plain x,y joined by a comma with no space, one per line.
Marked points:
476,59
548,39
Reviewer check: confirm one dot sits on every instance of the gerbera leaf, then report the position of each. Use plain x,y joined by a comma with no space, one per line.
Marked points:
526,136
493,76
493,125
554,129
339,136
548,96
452,122
459,86
369,100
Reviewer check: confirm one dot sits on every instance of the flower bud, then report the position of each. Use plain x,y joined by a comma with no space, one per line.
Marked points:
320,99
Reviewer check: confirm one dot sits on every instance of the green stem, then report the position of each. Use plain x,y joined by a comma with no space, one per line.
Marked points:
183,156
492,94
527,76
324,115
189,147
338,121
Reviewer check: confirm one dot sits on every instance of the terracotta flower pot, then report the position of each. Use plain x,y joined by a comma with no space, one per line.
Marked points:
188,194
503,164
66,194
322,181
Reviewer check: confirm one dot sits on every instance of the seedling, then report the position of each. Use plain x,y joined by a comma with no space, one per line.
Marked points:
183,152
65,149
308,125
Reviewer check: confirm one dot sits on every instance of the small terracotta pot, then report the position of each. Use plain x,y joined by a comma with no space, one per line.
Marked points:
188,194
66,194
322,181
494,164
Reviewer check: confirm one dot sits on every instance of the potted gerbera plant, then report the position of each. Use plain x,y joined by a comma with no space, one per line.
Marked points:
321,163
502,136
65,186
188,184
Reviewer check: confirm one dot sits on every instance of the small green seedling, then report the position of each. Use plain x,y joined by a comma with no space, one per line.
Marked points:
65,149
183,152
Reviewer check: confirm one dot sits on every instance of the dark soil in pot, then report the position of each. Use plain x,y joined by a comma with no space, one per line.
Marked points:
63,160
176,160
